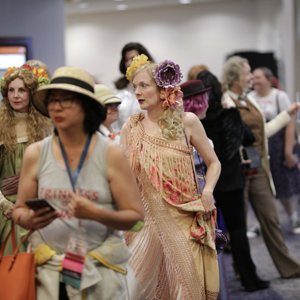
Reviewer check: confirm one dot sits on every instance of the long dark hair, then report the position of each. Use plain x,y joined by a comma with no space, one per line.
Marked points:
122,82
215,93
94,114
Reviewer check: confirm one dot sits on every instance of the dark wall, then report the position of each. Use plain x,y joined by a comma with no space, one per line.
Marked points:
43,21
259,59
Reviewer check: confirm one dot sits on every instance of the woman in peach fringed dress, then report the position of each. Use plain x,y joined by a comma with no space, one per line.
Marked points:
174,255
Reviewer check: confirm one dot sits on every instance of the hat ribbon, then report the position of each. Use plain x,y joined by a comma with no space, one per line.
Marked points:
73,81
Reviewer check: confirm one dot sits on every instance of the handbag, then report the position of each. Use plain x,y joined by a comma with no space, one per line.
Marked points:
198,166
250,157
17,271
221,239
9,185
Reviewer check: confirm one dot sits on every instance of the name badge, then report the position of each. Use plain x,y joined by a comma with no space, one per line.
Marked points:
73,262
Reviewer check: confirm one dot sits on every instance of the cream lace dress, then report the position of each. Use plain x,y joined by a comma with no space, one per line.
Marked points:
173,256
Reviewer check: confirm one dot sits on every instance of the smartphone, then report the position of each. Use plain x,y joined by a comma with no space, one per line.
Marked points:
36,204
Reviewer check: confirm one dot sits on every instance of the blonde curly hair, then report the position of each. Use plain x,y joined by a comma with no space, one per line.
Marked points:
38,126
171,120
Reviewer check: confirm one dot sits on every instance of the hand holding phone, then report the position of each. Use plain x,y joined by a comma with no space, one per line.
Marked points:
36,204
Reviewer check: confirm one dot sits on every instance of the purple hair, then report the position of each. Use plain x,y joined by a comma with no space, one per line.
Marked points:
196,103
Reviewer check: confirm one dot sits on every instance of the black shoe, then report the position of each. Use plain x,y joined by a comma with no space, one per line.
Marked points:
259,285
253,232
262,284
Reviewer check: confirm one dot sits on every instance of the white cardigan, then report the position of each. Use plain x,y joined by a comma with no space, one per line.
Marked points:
269,129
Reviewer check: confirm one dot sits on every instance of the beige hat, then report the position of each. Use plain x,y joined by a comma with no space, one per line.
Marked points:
105,95
69,79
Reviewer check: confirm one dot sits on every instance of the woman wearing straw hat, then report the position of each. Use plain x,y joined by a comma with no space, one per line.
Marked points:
111,103
87,180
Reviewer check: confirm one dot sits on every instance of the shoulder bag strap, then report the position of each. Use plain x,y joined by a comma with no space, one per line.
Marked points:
192,162
12,234
277,102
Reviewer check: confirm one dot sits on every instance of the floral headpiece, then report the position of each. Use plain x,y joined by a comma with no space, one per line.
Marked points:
167,75
8,72
137,62
39,72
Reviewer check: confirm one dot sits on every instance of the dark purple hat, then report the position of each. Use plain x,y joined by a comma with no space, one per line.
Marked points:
193,87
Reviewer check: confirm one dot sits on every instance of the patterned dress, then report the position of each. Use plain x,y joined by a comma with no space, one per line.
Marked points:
173,256
10,166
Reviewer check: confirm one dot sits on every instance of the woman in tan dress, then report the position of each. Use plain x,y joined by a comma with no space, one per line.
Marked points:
173,256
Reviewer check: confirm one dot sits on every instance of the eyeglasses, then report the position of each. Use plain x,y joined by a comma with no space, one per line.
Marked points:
112,105
65,101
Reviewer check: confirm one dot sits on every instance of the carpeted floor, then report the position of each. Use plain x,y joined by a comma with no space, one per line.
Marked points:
280,289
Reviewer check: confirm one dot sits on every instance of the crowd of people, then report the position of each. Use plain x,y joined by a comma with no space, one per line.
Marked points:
119,172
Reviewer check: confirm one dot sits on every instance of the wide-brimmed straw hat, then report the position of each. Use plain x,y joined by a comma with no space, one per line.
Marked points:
105,95
193,87
68,79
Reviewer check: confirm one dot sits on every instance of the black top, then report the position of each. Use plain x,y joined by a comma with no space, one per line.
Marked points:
228,132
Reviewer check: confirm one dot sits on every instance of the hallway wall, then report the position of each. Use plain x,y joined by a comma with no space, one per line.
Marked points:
188,34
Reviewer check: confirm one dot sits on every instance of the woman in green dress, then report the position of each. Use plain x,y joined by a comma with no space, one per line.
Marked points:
21,124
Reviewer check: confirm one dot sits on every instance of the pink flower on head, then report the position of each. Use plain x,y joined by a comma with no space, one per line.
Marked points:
172,97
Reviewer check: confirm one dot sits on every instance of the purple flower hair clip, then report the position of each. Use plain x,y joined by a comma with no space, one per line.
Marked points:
167,74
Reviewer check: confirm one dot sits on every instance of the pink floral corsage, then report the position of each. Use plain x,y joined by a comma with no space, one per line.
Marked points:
172,97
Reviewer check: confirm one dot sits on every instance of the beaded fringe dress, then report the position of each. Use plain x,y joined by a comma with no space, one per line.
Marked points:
173,256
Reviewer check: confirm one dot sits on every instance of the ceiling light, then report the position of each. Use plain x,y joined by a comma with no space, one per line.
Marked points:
185,1
122,6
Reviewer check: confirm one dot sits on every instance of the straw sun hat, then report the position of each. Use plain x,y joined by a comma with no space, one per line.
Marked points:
105,95
68,79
